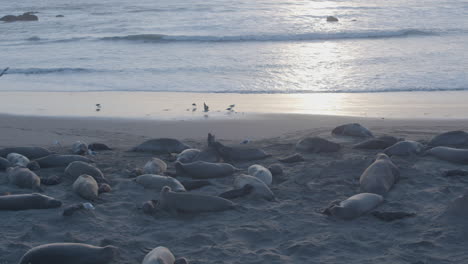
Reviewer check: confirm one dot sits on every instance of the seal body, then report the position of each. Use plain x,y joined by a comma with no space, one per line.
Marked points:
192,155
353,130
317,145
56,160
98,147
404,148
16,159
456,139
380,176
157,182
155,166
80,148
261,173
159,255
70,253
86,187
239,153
78,168
4,164
16,202
205,170
356,205
260,189
30,152
382,142
450,154
24,178
162,146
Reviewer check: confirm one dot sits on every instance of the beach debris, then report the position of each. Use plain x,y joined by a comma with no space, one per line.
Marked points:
206,107
332,19
391,216
4,71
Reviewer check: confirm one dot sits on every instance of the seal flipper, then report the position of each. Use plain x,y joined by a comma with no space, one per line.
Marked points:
236,193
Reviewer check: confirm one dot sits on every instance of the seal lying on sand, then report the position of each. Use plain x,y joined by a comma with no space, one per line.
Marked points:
24,178
261,173
192,155
317,145
98,147
162,146
4,164
16,202
155,166
352,130
382,142
205,170
16,159
404,148
69,253
355,206
260,189
78,168
57,160
86,187
30,152
79,148
380,176
162,255
450,154
158,182
236,153
456,139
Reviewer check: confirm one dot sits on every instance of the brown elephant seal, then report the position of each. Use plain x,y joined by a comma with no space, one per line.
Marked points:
161,146
57,160
205,170
352,130
404,148
192,155
4,164
86,187
355,206
455,139
184,202
69,253
380,176
80,148
260,189
24,178
157,182
260,172
162,255
30,152
382,142
236,153
78,168
453,155
317,145
155,166
16,202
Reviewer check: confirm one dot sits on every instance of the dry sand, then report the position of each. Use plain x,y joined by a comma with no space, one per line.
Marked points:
291,230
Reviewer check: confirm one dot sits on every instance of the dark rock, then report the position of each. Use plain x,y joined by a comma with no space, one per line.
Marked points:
332,19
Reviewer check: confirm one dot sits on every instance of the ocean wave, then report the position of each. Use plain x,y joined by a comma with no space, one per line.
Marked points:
39,71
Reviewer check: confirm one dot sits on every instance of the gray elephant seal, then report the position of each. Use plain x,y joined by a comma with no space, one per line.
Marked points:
86,187
158,182
79,148
69,253
18,202
162,255
456,139
352,130
57,160
450,154
260,189
24,178
317,145
78,168
382,142
30,152
155,166
175,202
205,170
355,206
162,146
404,148
380,176
260,172
16,159
236,153
192,155
98,147
4,164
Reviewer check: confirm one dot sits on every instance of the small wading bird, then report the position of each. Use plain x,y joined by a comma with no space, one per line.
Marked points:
207,108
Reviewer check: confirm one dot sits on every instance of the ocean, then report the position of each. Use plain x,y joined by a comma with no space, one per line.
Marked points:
244,46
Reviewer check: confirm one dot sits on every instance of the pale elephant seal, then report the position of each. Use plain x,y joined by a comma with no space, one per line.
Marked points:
352,130
192,155
260,172
69,253
86,187
30,152
78,168
355,206
16,202
261,190
456,139
155,166
380,176
382,142
184,202
24,178
57,160
236,153
162,146
157,182
162,255
450,154
404,148
79,148
205,170
317,145
4,164
16,159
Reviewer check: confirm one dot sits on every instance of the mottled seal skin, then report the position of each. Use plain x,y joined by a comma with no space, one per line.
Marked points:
69,253
261,173
175,202
78,168
404,148
4,164
162,146
24,178
30,152
261,190
456,139
16,159
159,255
380,176
355,206
317,145
86,187
155,166
382,142
205,170
453,155
192,155
57,160
158,182
352,130
80,148
18,202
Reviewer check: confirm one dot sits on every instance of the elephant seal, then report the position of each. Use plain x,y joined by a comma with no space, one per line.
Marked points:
98,147
56,160
261,173
455,139
380,176
236,193
352,130
382,142
276,169
155,166
317,145
175,202
4,164
70,253
30,152
24,178
236,153
157,182
16,159
162,255
205,170
450,154
261,190
162,146
86,187
404,148
292,158
192,155
78,168
16,202
194,184
79,148
355,206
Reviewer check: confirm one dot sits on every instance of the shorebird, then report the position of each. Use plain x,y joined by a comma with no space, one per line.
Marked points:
207,108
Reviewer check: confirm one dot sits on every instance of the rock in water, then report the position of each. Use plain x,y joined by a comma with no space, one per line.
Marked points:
161,146
456,139
317,145
352,130
24,17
